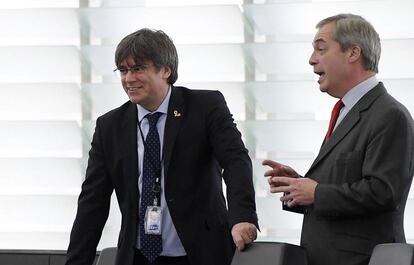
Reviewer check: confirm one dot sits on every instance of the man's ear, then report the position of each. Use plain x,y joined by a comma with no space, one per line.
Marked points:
167,72
354,54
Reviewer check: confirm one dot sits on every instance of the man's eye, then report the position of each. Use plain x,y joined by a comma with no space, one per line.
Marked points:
137,68
123,71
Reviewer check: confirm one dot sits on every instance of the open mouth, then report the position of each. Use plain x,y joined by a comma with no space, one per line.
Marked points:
321,75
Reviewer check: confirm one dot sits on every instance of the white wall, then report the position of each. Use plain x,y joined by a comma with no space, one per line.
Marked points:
56,79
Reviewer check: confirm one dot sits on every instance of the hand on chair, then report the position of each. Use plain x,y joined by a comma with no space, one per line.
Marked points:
243,234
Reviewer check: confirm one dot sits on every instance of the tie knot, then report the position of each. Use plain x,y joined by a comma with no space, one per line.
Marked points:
153,118
335,113
338,106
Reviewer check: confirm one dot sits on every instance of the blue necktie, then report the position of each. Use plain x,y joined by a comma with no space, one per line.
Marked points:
151,245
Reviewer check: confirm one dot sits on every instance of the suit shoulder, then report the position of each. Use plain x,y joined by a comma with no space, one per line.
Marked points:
200,94
388,104
117,112
197,92
388,112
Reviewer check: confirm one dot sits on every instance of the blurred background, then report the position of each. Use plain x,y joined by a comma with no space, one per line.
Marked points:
56,78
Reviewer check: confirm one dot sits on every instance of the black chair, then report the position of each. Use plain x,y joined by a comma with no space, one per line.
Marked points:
392,254
107,256
274,253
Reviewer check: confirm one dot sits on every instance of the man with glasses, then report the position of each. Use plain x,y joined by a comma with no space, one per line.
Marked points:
165,153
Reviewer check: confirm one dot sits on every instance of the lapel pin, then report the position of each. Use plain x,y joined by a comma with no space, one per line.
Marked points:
177,114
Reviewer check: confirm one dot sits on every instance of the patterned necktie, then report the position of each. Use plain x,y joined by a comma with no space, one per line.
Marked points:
334,116
151,245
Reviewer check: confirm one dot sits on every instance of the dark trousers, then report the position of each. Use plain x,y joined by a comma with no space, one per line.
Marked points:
161,260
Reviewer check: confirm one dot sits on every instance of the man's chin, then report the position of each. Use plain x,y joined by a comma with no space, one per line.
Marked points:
135,100
323,88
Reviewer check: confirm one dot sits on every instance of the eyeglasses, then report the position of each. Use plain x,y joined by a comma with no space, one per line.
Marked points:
123,71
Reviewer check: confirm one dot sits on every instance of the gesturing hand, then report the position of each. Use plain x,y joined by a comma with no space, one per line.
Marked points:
297,190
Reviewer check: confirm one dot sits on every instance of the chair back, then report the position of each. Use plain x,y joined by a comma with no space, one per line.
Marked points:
392,254
107,256
270,253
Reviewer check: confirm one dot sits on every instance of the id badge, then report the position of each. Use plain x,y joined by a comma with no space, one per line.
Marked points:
152,221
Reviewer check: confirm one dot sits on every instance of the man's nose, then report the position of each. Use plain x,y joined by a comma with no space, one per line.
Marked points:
312,59
129,76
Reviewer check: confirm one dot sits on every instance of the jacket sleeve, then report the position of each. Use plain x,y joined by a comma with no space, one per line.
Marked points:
93,207
233,157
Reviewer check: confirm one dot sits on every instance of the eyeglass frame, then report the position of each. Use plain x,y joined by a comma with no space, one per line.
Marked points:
123,71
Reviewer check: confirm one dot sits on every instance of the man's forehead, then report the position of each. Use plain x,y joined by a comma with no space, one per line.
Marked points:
324,34
326,30
126,59
130,61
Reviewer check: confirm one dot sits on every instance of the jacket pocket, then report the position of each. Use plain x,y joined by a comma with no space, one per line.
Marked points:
348,167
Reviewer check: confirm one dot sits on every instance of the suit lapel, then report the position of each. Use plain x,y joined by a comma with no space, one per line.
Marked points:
341,131
130,157
175,115
349,122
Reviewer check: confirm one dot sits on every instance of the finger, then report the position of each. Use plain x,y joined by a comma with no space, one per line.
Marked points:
277,172
269,173
238,241
246,240
286,171
270,163
280,181
253,234
280,184
292,203
287,197
273,181
279,169
241,246
278,189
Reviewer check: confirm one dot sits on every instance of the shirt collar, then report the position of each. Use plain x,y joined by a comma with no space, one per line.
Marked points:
163,108
357,92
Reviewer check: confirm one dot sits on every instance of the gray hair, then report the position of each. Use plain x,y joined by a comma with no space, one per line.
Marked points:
353,30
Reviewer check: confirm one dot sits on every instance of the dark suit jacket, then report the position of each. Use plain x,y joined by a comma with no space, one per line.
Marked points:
201,146
364,173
